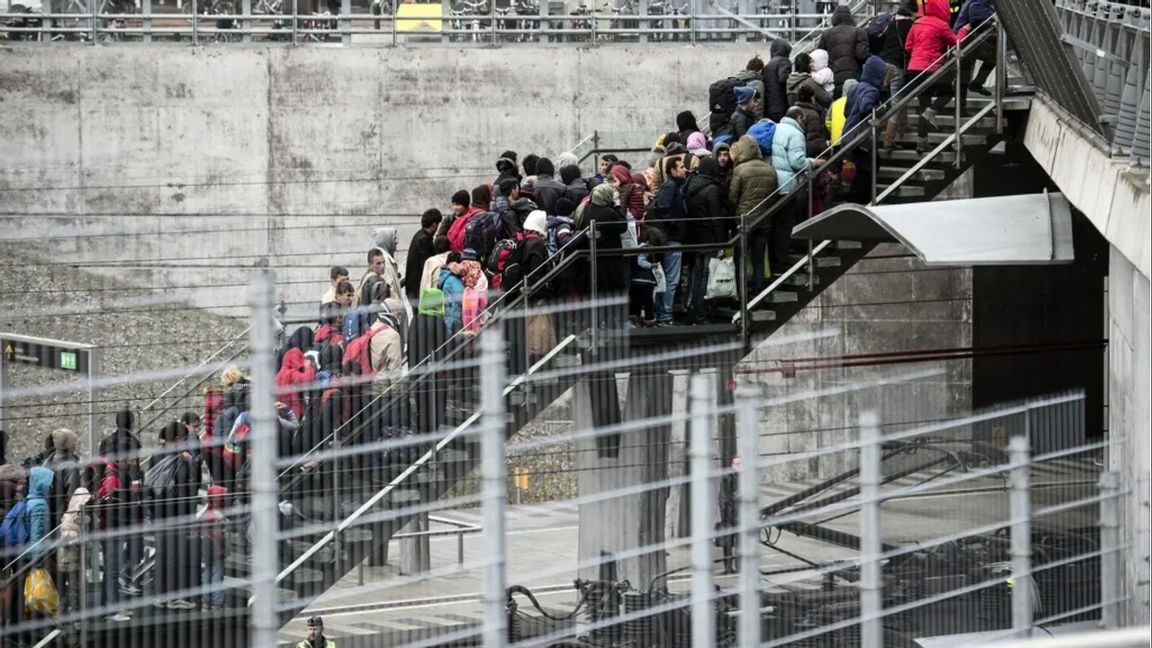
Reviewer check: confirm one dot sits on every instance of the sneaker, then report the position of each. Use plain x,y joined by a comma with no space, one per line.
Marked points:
929,116
181,604
160,604
979,89
118,617
922,145
129,589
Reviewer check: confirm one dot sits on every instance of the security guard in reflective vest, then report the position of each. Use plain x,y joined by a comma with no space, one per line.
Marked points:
316,635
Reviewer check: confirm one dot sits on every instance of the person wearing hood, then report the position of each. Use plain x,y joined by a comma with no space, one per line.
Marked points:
631,194
686,125
837,115
894,54
567,158
295,374
847,47
453,288
575,189
776,74
612,274
73,527
928,40
698,145
507,168
708,222
867,97
36,508
12,481
66,464
801,76
419,250
548,189
745,114
387,239
821,73
753,77
125,426
790,159
753,184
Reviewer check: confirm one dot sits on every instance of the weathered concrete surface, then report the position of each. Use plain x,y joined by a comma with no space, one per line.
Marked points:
229,158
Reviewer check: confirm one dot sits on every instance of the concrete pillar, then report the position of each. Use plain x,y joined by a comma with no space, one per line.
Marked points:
611,526
415,553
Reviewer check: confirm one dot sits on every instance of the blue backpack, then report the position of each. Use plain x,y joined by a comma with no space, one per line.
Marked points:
763,131
560,230
14,528
356,322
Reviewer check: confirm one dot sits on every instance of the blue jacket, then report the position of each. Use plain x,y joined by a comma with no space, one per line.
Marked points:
453,288
36,507
789,153
868,96
974,13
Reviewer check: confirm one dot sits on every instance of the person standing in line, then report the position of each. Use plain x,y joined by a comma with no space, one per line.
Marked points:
316,638
419,251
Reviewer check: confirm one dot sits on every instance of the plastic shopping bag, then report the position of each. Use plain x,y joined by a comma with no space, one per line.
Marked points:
721,279
40,597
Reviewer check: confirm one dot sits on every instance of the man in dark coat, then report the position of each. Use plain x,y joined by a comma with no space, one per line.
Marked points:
419,251
548,189
847,47
708,222
775,77
745,114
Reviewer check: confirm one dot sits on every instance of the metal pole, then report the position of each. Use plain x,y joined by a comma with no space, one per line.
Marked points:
3,384
295,22
95,8
346,22
195,24
146,10
1020,513
956,108
492,479
743,274
871,545
492,13
703,427
595,284
811,265
460,548
265,563
873,170
746,421
1001,77
246,11
93,393
83,584
1110,589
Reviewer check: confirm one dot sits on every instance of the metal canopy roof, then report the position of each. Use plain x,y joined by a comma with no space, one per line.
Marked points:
1008,230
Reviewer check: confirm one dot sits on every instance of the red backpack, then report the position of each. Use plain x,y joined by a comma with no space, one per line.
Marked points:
358,351
457,230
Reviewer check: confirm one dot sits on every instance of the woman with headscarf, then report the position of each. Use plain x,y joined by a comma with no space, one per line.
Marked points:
686,125
698,145
612,276
631,195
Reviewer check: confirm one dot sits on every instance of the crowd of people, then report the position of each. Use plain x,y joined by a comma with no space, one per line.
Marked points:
771,124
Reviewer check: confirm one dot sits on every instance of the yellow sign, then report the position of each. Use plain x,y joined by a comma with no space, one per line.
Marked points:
9,351
422,17
521,478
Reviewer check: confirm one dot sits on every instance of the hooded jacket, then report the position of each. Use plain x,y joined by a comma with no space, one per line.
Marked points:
776,73
798,79
386,350
867,96
295,372
72,526
575,189
753,180
930,37
815,127
790,153
698,144
740,122
612,274
418,252
686,125
706,204
973,13
846,44
631,194
36,507
533,248
753,80
821,73
453,288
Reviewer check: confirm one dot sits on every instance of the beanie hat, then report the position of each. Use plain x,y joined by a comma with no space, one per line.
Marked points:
461,198
744,94
569,174
849,86
64,440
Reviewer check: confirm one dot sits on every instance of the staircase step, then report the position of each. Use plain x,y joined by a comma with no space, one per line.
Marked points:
926,174
800,280
296,548
305,575
782,296
403,498
821,260
450,456
763,316
848,245
906,190
909,155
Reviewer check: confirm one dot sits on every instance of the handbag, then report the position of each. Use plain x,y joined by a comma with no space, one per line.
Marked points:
721,279
541,334
40,596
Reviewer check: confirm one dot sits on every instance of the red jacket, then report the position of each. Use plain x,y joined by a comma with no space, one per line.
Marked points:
296,370
456,231
930,37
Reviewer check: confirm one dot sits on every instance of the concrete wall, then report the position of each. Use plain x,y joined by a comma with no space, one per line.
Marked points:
227,158
1129,421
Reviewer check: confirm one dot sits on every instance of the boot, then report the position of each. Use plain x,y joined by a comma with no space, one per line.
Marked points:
892,132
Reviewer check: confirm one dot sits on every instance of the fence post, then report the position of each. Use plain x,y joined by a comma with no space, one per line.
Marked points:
812,266
703,426
1020,514
871,581
595,284
748,431
94,5
195,23
959,99
264,620
1110,590
742,264
146,20
492,479
1001,75
874,171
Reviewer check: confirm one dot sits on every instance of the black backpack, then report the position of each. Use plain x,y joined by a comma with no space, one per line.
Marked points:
479,234
722,103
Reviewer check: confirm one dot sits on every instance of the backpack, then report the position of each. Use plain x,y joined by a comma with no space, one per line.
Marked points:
501,259
479,233
356,322
160,480
877,31
722,103
358,351
14,528
560,231
457,232
763,132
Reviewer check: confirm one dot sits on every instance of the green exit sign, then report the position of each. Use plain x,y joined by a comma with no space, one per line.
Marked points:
68,360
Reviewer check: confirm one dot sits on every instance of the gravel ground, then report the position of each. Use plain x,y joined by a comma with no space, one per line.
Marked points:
135,334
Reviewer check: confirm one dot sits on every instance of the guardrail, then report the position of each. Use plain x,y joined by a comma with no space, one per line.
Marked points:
205,22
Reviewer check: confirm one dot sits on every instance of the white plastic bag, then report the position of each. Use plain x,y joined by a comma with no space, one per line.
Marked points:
721,279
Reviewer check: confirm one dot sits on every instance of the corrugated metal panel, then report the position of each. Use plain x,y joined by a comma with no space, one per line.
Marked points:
1034,31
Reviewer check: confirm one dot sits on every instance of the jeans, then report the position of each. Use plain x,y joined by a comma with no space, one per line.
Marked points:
757,242
780,256
214,579
699,286
671,265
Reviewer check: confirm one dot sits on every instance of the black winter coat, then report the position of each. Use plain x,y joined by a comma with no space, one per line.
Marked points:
816,133
612,273
846,44
419,251
775,77
740,123
707,209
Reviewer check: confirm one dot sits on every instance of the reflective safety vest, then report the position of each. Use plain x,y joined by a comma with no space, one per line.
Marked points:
308,644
